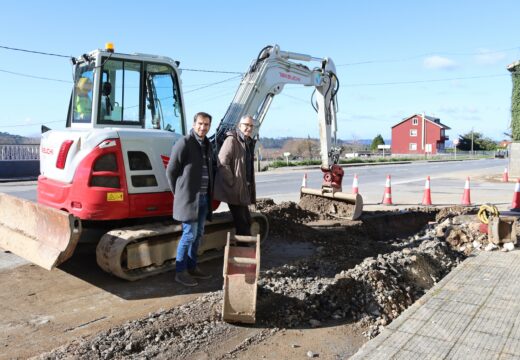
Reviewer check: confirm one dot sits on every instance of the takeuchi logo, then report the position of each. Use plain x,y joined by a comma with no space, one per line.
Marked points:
47,151
290,77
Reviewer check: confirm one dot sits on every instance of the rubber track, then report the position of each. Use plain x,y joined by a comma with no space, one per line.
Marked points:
110,251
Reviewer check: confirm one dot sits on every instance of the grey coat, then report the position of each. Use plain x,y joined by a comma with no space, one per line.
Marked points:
230,181
184,173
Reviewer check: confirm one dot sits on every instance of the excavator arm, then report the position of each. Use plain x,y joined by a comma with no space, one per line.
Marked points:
266,77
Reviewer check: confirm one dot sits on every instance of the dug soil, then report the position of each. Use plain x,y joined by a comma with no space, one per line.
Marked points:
326,286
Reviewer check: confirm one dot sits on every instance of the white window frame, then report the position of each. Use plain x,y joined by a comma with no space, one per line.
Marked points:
413,132
415,121
412,146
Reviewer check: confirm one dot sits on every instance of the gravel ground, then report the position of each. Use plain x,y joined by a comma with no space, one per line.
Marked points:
364,272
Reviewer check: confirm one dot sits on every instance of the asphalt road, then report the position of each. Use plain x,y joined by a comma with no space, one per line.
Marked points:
284,184
407,180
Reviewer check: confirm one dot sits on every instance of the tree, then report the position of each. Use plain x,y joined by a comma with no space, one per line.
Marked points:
378,140
515,103
480,143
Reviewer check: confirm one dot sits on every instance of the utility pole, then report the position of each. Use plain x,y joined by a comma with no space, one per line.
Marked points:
471,142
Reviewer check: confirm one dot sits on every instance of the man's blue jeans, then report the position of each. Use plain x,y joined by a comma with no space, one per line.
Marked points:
191,234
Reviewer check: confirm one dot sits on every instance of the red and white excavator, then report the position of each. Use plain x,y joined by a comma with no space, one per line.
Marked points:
106,170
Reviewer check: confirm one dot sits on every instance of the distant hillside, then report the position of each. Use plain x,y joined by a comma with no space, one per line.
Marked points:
9,139
278,143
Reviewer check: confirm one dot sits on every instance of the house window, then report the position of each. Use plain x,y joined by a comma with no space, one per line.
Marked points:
415,121
413,132
412,146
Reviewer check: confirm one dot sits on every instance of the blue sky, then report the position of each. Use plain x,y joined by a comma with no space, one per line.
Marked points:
394,58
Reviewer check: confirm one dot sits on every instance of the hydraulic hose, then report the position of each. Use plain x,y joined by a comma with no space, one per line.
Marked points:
486,211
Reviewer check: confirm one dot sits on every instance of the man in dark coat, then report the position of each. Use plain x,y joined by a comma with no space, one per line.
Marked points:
190,175
235,180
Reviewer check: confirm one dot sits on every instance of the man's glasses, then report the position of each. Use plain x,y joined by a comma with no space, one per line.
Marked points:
247,125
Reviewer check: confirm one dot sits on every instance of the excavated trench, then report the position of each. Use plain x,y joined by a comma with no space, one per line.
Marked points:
316,272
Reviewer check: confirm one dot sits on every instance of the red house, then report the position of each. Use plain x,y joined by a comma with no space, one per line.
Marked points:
419,134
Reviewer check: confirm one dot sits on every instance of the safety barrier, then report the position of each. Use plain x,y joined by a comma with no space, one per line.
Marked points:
19,152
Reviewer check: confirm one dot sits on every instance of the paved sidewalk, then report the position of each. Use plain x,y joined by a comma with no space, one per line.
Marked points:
473,313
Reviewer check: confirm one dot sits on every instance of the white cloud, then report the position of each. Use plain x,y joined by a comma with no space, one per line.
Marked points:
439,62
488,57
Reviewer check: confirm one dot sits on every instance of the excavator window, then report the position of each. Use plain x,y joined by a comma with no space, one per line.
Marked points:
163,108
82,94
120,92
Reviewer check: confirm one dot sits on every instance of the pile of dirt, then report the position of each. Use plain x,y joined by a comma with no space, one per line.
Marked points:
352,276
326,208
286,220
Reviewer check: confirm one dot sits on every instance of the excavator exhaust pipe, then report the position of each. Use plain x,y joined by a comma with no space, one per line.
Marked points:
42,235
354,200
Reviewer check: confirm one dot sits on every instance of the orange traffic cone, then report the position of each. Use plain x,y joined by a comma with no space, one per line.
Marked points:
505,176
387,197
427,197
304,180
515,206
466,198
355,188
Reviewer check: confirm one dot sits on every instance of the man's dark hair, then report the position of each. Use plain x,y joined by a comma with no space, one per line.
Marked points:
202,114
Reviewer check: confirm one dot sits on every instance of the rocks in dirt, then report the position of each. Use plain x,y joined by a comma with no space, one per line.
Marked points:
287,220
355,274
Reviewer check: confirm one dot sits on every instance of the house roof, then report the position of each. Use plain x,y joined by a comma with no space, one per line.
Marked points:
431,119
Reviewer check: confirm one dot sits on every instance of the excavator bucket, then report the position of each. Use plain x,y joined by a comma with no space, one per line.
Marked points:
241,269
336,203
40,234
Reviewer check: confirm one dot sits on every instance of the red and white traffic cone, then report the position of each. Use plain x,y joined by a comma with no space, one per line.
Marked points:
387,197
515,206
355,188
505,176
466,197
304,180
427,197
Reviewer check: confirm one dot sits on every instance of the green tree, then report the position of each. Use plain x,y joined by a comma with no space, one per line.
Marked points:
515,102
378,140
480,143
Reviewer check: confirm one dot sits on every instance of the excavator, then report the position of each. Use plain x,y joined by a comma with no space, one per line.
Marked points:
105,171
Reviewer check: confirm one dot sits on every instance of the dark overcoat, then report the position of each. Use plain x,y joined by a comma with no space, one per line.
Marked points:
184,173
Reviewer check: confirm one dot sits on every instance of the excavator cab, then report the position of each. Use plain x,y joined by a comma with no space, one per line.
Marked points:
132,91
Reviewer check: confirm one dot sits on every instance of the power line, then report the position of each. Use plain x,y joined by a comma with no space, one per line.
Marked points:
215,83
427,54
213,71
69,56
425,81
34,52
30,124
34,76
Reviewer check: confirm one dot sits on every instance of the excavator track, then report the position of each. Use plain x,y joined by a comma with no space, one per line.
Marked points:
137,252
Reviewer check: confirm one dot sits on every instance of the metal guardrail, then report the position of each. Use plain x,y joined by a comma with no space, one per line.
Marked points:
19,152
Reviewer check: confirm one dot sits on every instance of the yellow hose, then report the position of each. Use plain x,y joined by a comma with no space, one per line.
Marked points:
486,211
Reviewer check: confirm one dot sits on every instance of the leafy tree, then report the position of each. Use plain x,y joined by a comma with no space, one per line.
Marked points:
480,143
515,103
378,140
